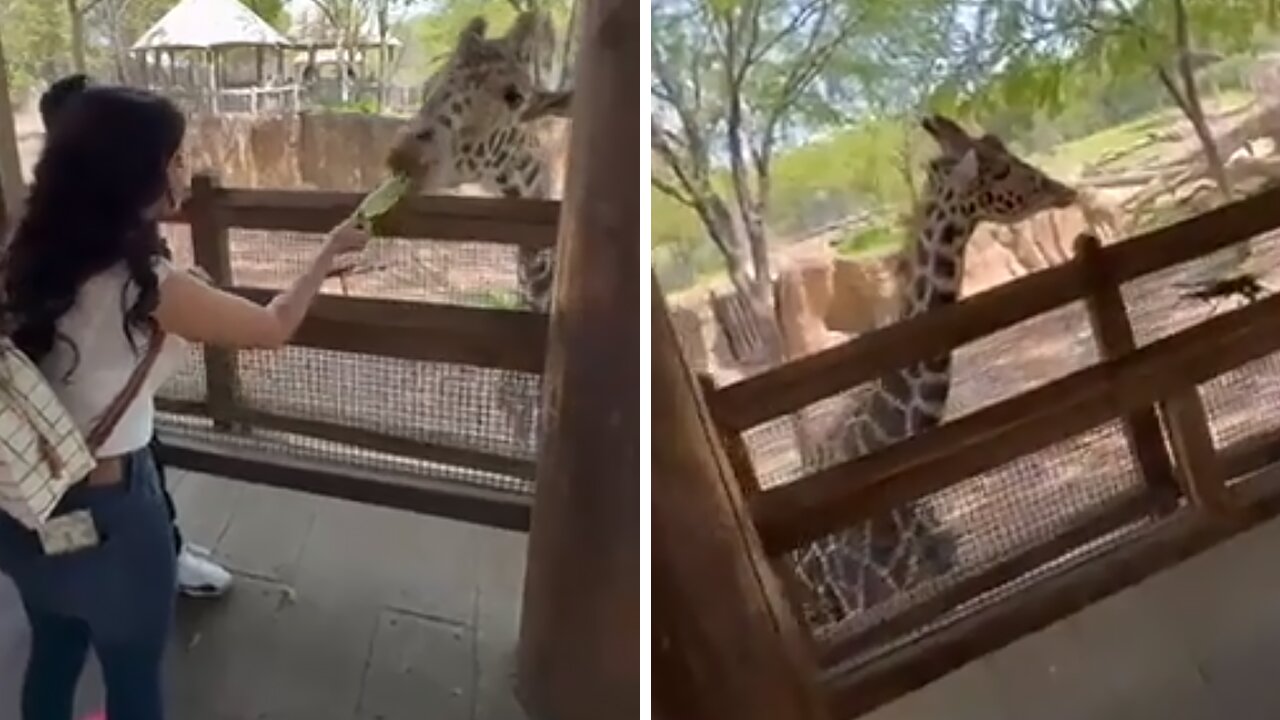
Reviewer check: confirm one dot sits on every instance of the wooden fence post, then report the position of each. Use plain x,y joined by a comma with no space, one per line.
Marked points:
579,649
1199,465
210,245
725,642
1113,336
733,443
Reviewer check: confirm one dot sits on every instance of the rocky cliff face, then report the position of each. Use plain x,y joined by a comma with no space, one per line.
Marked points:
316,151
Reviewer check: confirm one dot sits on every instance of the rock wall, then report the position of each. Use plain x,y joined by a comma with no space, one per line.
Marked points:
316,151
319,151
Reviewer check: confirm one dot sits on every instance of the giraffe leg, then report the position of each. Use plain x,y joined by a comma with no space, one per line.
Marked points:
534,274
935,543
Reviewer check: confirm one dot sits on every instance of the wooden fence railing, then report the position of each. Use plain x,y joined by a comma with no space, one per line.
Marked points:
1151,391
423,331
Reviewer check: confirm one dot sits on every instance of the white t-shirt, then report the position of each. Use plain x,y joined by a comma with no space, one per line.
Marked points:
102,360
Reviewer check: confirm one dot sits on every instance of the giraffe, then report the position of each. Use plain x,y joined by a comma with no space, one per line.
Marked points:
476,124
972,180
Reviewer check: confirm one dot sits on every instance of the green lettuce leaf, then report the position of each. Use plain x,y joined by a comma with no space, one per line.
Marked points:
383,198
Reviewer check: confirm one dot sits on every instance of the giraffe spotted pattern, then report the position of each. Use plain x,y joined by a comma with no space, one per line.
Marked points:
851,571
475,125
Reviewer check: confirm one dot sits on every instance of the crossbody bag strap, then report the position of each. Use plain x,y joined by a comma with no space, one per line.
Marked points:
102,430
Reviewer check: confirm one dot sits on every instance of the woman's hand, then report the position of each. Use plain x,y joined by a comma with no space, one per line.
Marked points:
348,237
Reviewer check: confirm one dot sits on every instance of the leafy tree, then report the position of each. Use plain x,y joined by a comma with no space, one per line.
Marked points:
116,24
435,30
726,73
273,11
35,34
1073,42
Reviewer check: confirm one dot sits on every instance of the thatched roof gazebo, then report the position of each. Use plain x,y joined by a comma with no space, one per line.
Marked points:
212,55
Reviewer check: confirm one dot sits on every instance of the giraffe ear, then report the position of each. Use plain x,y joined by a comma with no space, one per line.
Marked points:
547,104
532,38
523,28
473,34
966,171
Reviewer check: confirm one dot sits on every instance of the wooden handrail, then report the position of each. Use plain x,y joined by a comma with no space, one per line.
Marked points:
438,218
433,332
500,339
836,497
511,221
786,388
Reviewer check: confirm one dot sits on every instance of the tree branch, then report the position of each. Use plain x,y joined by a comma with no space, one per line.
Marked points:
672,192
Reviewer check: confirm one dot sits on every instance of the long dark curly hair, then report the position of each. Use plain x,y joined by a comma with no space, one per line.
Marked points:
103,170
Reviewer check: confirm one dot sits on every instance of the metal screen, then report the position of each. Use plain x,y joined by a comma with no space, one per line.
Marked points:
443,404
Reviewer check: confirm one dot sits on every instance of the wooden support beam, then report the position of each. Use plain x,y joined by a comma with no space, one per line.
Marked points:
579,653
725,644
1198,464
212,252
1113,336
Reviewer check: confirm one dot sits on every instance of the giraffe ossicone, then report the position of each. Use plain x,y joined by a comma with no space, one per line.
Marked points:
971,180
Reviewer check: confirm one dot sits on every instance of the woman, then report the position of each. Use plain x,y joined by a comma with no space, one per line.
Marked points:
198,574
85,285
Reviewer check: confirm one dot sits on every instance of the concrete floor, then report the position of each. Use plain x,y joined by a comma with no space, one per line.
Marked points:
340,612
1198,641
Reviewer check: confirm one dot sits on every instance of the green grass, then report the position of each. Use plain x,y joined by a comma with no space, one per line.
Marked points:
1069,158
873,242
495,299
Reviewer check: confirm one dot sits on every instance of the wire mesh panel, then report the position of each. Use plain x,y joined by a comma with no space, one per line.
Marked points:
188,381
442,407
1244,402
474,274
334,454
441,403
991,517
1239,402
996,367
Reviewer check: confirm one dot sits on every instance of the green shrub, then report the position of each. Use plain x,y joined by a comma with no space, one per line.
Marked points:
874,240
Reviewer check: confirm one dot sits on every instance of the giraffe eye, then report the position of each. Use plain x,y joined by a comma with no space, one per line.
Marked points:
426,135
512,97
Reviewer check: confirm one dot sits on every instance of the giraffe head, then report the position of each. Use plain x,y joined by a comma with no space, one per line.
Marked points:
981,177
471,125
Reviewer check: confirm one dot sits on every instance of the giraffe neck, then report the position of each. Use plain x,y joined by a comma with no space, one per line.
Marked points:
914,398
866,565
510,163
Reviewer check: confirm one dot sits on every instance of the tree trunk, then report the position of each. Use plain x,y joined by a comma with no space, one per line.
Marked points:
12,188
119,44
1187,98
1213,159
566,48
77,35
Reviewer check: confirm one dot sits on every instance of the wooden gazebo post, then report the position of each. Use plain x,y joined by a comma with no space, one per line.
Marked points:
579,654
12,188
725,642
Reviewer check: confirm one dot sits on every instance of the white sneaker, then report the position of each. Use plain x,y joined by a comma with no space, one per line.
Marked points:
198,575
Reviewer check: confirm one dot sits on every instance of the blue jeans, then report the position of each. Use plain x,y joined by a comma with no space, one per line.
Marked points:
117,598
